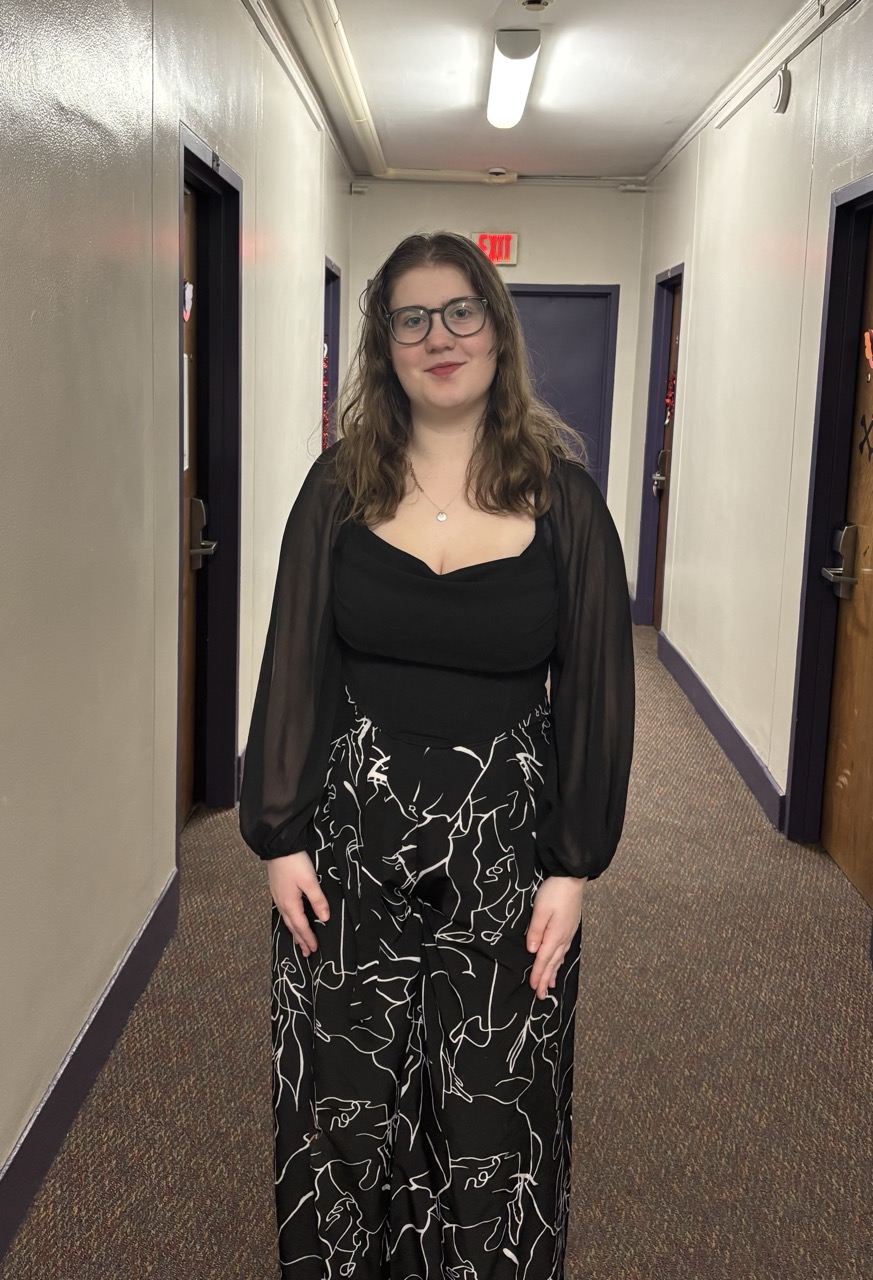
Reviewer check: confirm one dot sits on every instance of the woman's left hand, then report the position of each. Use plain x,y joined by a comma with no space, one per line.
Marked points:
556,914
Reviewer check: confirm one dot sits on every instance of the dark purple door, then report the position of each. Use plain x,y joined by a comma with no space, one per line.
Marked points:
570,333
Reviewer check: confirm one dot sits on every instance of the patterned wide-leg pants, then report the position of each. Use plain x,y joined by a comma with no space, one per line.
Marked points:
422,1092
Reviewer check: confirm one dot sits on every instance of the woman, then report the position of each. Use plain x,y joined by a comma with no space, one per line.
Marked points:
429,819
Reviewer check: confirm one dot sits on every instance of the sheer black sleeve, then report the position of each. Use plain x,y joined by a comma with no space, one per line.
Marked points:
581,807
295,704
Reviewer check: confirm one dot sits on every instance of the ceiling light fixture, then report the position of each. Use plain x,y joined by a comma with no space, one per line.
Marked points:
515,56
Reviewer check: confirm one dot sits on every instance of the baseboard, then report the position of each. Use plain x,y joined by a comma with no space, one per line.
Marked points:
747,763
24,1171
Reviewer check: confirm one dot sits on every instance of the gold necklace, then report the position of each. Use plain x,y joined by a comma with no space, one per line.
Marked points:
441,511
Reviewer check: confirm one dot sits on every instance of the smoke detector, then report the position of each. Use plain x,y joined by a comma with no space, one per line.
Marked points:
535,6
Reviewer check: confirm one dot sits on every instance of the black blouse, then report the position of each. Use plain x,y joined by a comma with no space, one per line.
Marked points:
450,658
580,610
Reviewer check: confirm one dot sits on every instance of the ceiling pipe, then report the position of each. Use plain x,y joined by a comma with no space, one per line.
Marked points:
327,28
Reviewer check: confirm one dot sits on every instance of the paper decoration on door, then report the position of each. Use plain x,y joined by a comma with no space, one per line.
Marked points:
187,299
325,397
866,434
186,417
670,399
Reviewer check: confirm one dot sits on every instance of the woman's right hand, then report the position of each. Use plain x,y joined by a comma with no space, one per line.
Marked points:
292,878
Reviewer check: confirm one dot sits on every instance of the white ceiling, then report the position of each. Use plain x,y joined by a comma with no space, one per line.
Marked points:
617,83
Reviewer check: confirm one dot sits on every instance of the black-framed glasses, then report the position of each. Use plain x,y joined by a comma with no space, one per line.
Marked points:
461,316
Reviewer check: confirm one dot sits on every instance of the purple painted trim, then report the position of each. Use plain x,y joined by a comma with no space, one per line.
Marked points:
641,612
747,763
612,293
24,1171
665,283
851,211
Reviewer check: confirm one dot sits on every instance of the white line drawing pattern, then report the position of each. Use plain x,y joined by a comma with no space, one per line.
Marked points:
421,1090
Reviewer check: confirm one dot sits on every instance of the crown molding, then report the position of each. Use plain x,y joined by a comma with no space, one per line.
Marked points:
786,45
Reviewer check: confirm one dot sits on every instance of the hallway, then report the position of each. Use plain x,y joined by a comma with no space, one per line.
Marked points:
724,1058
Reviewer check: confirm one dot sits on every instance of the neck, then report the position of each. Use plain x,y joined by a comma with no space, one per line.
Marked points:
442,446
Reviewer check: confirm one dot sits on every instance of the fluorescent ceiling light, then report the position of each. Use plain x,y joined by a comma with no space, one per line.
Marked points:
515,56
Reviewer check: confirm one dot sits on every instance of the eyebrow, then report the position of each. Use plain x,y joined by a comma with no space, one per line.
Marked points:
457,297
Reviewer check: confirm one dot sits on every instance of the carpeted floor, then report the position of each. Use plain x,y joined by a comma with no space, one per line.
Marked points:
724,1090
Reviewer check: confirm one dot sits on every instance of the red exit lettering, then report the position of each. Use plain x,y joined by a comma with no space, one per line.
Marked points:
497,247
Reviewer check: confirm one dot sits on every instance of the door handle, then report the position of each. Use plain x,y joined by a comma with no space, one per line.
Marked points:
199,547
659,477
840,576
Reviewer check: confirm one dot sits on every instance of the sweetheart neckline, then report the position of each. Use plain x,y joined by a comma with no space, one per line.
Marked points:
481,564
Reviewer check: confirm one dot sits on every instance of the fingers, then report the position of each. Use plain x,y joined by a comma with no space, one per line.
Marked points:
554,921
317,900
544,974
293,882
549,940
536,930
545,938
293,914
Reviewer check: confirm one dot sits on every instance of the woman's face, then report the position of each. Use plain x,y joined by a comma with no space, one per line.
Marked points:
447,378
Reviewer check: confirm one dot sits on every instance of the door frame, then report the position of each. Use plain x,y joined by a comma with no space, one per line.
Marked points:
611,292
219,399
666,283
851,213
332,287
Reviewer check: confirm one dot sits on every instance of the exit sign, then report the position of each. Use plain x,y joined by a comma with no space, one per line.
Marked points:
499,246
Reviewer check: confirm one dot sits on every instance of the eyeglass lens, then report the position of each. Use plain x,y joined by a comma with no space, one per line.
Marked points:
461,316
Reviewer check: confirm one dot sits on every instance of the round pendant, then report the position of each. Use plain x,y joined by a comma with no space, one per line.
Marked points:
441,515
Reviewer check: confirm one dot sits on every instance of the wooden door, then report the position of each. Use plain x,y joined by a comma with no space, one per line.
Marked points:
847,803
570,337
188,606
661,478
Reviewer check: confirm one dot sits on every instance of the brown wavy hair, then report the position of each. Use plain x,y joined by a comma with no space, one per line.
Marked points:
519,436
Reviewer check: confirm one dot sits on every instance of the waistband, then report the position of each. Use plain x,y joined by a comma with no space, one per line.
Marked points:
352,711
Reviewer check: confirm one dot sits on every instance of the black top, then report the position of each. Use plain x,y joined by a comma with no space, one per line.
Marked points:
449,658
580,809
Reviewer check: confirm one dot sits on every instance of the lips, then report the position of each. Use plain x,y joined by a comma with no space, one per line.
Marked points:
443,370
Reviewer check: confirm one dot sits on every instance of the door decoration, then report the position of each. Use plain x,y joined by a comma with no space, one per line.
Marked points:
866,434
670,400
868,347
187,299
325,398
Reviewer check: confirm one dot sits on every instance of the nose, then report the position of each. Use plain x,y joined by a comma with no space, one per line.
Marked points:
439,336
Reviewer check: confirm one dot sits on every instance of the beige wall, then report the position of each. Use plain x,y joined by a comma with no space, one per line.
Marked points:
747,208
567,235
90,105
